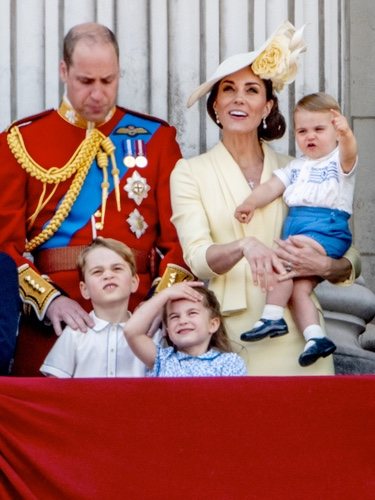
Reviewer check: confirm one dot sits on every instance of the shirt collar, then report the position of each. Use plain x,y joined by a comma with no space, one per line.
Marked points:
211,354
102,324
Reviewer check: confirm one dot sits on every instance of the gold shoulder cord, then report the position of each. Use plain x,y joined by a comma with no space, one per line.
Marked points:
78,164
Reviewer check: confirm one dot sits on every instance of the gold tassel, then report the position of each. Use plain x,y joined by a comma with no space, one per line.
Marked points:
109,148
102,160
42,203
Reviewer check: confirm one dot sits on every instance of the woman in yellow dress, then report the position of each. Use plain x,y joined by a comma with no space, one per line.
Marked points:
241,261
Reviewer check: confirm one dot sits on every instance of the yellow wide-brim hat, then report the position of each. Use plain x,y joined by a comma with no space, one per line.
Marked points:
275,60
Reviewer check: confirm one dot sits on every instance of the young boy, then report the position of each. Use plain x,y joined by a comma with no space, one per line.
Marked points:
318,189
108,277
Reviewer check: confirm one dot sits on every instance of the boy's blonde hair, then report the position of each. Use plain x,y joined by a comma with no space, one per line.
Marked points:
116,246
319,101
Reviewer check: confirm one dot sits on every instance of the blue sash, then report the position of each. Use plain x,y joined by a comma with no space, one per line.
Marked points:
89,199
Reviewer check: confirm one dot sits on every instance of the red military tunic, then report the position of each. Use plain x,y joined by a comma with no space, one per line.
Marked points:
142,223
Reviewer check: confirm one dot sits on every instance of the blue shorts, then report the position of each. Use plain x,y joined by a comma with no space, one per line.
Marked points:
327,226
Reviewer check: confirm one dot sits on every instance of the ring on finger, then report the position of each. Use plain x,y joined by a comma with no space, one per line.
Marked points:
288,267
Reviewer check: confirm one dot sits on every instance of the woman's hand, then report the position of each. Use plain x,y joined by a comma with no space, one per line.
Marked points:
265,265
302,260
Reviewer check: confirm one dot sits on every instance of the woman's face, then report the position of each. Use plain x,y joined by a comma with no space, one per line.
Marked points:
241,101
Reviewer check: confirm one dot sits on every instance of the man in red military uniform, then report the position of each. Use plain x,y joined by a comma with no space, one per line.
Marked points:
88,169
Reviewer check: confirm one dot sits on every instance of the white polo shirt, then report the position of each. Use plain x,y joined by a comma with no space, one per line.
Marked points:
101,352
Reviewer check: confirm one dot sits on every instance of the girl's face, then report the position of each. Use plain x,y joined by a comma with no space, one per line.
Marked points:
315,133
241,102
190,326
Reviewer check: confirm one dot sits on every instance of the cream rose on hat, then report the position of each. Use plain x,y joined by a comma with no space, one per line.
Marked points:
279,61
276,60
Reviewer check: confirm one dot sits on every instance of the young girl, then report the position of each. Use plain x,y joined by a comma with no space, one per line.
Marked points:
318,189
198,342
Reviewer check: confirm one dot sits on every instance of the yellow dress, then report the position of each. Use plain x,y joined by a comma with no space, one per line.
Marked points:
205,191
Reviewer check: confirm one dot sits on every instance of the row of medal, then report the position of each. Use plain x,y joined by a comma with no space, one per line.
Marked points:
137,189
134,153
136,186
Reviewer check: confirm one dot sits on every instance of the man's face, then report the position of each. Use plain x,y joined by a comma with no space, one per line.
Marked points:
92,79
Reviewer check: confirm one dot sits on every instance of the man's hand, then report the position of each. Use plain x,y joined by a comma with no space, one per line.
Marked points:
68,311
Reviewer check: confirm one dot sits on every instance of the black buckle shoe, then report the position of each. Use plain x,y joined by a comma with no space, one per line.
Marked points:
270,327
321,348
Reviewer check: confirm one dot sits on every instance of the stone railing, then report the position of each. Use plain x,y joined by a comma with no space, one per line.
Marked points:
348,312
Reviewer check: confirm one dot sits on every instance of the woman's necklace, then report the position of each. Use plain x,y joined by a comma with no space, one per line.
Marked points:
253,173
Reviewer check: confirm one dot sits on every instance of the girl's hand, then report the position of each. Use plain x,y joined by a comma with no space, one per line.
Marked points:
264,263
184,290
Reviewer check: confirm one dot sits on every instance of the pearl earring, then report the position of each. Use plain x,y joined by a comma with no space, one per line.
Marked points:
264,123
217,117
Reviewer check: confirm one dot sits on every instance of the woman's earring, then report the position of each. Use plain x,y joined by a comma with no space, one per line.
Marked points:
264,123
217,117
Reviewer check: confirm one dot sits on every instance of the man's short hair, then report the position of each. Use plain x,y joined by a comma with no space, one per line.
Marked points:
92,33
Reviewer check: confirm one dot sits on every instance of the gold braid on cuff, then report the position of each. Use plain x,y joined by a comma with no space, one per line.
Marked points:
173,274
35,290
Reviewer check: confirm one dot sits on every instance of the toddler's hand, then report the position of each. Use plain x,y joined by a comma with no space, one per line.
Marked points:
340,123
244,213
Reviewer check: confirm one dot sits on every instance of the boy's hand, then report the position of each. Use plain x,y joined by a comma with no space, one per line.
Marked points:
244,212
340,123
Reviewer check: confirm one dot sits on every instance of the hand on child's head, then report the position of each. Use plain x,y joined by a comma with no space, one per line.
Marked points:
185,290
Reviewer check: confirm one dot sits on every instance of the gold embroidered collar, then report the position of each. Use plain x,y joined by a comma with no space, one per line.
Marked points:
69,114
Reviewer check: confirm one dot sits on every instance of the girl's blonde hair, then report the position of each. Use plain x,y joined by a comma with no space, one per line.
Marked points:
219,340
116,246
